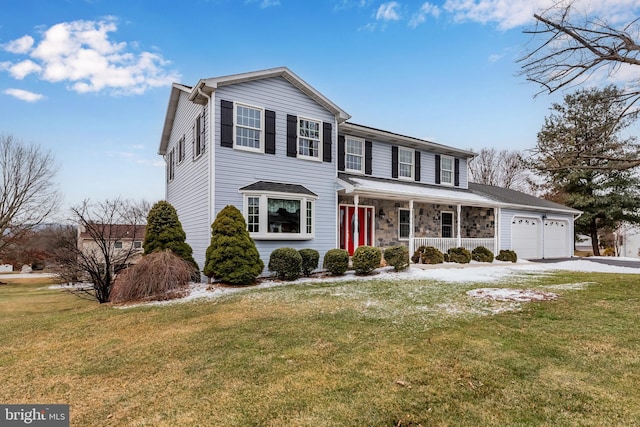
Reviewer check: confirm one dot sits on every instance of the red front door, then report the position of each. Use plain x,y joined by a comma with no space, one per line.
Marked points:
350,222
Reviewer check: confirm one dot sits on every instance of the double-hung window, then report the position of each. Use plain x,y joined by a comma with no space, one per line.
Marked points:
198,136
405,163
280,216
447,224
249,128
404,224
171,165
446,170
181,149
354,154
309,137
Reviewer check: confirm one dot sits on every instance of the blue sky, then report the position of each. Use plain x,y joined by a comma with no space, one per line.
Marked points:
90,79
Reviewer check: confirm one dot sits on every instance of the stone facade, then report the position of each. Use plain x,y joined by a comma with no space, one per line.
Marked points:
476,222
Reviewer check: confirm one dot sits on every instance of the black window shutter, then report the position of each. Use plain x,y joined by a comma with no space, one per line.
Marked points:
269,132
368,157
327,131
437,168
341,152
456,172
292,136
416,168
226,123
394,161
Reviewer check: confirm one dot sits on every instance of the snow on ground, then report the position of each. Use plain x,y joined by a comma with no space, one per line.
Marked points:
449,272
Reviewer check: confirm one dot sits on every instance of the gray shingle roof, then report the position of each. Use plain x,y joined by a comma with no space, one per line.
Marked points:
278,187
506,195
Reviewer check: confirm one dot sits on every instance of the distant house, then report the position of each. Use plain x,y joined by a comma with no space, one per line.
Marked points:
306,177
120,240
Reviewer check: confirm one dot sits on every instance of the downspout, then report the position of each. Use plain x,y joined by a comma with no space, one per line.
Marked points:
211,180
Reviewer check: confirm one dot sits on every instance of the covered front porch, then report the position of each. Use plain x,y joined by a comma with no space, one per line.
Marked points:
416,215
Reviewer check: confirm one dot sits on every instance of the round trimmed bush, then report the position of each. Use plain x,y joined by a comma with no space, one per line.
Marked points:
398,257
286,263
482,254
459,255
336,261
366,259
310,259
507,255
427,255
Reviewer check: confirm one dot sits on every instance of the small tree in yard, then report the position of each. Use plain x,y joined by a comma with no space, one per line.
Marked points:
232,256
164,231
103,225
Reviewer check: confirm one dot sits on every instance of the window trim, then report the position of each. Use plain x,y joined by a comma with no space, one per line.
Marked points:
171,165
453,223
263,211
452,170
413,163
346,153
198,137
236,146
181,150
403,239
317,158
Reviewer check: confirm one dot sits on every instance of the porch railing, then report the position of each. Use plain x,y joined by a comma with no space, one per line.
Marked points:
443,244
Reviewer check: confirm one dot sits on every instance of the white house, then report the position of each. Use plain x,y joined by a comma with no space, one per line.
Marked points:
305,176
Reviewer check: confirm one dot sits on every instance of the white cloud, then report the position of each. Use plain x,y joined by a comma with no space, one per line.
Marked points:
496,57
24,95
263,4
82,54
21,45
513,13
388,12
425,10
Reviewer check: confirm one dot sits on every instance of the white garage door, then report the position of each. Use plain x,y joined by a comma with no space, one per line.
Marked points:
525,237
556,241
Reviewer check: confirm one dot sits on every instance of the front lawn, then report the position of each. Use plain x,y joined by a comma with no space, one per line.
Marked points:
357,353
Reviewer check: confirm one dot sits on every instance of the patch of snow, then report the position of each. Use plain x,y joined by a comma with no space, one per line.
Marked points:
570,286
516,295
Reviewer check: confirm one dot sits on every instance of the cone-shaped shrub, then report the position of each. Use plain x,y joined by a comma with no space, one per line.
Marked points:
164,231
232,256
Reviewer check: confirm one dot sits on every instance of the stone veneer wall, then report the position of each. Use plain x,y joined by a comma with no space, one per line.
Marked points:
476,222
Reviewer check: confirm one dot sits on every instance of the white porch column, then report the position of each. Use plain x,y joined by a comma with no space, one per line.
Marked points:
459,243
496,230
356,221
411,244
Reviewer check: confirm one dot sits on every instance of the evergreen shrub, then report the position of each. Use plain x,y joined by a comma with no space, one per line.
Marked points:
482,254
366,259
310,259
427,255
336,261
507,255
286,263
398,257
232,256
459,255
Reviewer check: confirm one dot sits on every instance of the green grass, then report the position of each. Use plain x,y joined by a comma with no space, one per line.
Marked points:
376,353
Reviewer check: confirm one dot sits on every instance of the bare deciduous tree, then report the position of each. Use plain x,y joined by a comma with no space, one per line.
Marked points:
105,244
502,168
28,193
575,46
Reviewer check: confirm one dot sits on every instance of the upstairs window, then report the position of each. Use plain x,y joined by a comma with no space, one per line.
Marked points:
309,137
171,165
198,136
446,170
249,128
181,149
405,163
354,154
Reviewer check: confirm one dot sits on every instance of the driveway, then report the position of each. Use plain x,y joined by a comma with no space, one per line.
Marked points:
624,262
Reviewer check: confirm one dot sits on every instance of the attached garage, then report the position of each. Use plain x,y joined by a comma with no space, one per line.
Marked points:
525,237
556,238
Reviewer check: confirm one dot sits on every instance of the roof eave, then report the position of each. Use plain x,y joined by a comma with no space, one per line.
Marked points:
169,118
